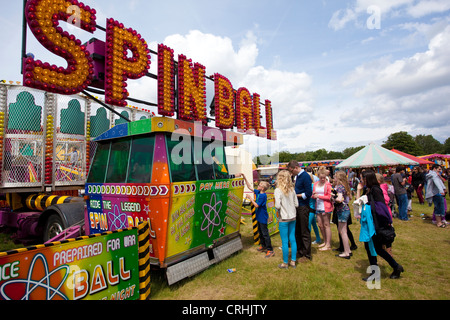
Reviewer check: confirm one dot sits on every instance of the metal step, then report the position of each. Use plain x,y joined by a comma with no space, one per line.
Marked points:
198,263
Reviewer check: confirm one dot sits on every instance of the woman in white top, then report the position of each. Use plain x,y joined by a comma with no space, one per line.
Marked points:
286,202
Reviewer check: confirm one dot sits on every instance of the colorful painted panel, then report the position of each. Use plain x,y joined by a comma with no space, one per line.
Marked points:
272,222
119,206
104,267
203,212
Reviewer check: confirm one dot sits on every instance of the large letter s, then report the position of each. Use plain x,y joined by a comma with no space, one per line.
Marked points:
43,18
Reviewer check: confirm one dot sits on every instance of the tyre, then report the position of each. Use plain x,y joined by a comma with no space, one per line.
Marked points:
53,227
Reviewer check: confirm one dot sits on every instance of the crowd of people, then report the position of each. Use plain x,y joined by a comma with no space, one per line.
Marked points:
307,201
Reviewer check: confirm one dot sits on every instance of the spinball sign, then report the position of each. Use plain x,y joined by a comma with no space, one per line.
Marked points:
128,57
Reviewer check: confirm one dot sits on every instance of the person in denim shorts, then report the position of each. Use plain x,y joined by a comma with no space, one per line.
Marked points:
343,210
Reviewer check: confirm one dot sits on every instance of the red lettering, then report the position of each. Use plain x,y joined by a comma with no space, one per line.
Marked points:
244,106
191,90
43,20
223,103
166,81
119,66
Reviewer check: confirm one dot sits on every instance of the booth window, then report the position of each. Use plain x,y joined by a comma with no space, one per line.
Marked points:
118,161
220,166
98,168
210,161
203,164
180,158
141,159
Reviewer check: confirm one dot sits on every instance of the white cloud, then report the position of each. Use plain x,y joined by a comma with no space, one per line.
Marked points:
341,17
420,72
362,8
216,53
412,92
385,6
424,8
422,33
289,92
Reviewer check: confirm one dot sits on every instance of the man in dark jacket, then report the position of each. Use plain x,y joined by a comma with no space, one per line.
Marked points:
418,181
303,189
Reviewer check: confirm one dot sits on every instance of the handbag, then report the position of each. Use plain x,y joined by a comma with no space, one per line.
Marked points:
386,234
384,231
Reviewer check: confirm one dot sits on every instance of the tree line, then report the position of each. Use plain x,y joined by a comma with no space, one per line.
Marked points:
402,141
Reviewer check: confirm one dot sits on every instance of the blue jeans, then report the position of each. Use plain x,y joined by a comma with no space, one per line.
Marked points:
439,209
287,234
403,206
312,221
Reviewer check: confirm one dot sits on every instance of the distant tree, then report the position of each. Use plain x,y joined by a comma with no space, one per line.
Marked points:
264,159
334,155
419,145
402,141
348,152
446,146
428,144
285,156
320,154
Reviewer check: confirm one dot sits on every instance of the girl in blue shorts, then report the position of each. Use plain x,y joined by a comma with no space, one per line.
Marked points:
343,210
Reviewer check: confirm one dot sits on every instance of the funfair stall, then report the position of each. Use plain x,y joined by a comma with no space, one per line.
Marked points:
158,192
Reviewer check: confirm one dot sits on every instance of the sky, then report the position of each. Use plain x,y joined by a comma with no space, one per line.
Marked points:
339,74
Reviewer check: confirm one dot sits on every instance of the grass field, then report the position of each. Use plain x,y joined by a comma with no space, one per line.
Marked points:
421,247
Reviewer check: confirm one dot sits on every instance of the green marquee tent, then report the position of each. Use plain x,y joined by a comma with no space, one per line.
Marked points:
375,156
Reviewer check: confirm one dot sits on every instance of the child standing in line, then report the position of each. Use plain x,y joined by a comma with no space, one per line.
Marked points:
261,215
286,202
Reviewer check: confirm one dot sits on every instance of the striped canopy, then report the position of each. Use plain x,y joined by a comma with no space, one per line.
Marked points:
419,160
375,156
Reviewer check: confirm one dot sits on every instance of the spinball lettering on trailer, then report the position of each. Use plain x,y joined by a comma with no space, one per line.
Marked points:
85,283
234,108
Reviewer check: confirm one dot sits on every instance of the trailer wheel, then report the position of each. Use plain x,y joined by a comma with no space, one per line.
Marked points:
53,227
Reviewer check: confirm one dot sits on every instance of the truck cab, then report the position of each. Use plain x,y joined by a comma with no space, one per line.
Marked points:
173,174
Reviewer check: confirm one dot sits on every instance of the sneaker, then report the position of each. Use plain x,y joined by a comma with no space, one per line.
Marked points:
262,249
270,254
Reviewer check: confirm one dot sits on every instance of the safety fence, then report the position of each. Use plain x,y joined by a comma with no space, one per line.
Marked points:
46,138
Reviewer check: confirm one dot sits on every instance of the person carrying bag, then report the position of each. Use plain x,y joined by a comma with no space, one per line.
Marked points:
384,231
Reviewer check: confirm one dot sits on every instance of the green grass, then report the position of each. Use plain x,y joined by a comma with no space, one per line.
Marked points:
420,247
6,241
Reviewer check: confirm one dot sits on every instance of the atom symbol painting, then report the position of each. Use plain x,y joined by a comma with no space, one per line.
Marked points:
211,213
39,286
117,220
